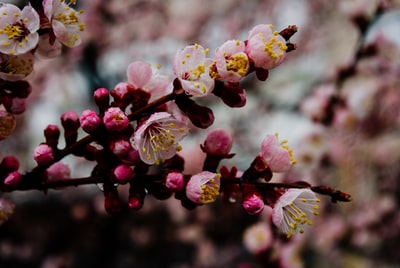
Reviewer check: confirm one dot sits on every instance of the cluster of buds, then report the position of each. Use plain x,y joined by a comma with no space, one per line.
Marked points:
134,136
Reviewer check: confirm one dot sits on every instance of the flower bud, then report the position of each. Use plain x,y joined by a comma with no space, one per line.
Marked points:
175,181
14,105
43,154
123,174
252,201
58,171
218,142
115,119
102,98
12,179
89,121
9,164
122,94
136,197
52,134
70,121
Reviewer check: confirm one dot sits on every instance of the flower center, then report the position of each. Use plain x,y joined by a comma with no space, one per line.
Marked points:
210,190
159,140
273,47
237,63
298,214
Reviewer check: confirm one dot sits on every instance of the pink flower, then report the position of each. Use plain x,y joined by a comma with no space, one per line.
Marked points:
203,188
89,121
231,61
15,67
141,76
192,69
265,47
18,29
65,21
258,237
115,119
43,154
277,155
157,138
294,210
175,181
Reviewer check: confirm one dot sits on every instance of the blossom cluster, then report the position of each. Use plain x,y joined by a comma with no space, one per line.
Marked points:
38,30
134,135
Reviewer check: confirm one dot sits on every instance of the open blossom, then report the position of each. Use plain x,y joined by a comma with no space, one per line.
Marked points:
266,47
18,29
65,21
15,67
231,61
158,137
277,154
203,188
192,69
294,210
141,76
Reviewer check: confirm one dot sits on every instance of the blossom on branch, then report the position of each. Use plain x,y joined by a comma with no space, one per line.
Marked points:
192,69
265,47
65,21
294,210
203,188
277,154
18,29
15,67
231,61
157,138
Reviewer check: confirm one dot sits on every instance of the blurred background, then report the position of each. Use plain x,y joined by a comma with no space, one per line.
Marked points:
336,99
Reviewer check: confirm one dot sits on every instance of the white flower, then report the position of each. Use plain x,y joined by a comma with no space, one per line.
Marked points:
192,69
18,29
294,210
65,21
157,138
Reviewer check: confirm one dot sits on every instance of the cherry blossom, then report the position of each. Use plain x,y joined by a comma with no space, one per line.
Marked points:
18,29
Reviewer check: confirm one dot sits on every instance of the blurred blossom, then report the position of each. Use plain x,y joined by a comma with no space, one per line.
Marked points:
6,210
15,67
258,237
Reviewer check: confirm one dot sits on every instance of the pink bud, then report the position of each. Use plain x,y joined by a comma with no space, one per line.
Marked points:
43,154
136,197
70,120
102,98
52,134
58,171
218,142
115,119
253,203
175,181
122,94
9,163
14,105
90,121
12,179
123,174
120,147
